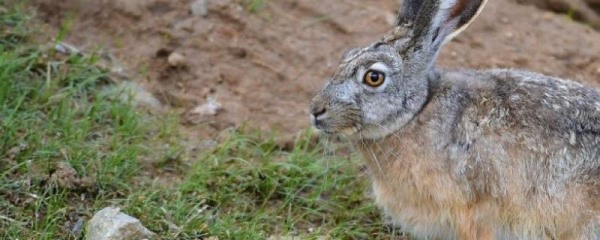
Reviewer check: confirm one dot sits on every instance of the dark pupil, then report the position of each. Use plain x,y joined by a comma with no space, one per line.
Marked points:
375,77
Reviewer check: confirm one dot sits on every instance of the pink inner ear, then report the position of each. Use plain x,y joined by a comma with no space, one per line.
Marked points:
458,9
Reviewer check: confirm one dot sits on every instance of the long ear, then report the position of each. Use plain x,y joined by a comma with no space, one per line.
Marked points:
408,12
435,22
441,20
466,11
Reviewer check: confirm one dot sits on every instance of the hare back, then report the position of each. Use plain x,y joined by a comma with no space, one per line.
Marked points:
497,153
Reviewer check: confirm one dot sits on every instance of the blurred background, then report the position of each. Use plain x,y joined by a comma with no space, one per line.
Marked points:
262,60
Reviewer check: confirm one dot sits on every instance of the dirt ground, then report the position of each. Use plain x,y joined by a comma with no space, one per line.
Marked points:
263,67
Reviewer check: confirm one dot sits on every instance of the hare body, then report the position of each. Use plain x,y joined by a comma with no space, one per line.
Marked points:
487,157
497,154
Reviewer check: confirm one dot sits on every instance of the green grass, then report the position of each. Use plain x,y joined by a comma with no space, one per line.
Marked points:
67,150
248,189
255,6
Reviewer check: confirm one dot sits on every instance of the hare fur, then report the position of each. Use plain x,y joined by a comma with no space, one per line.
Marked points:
497,154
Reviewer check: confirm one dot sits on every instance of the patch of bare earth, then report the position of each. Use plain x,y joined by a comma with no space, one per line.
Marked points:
262,68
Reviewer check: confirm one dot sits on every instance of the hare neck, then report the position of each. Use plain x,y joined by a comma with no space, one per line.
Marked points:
400,150
412,144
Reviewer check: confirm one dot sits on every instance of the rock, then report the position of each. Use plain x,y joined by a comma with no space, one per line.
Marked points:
111,224
199,8
78,228
177,60
210,108
132,91
66,48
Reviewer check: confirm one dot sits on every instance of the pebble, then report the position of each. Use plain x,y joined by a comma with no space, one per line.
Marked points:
177,60
199,8
127,90
210,108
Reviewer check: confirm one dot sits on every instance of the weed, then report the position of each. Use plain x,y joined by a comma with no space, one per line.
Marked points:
254,6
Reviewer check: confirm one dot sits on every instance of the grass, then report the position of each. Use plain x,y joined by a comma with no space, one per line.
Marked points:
255,6
68,150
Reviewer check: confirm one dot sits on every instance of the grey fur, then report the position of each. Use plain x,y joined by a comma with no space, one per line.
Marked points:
467,154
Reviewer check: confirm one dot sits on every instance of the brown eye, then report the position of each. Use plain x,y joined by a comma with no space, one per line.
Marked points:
374,78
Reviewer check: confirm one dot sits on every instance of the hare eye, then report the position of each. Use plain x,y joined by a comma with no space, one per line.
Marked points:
374,78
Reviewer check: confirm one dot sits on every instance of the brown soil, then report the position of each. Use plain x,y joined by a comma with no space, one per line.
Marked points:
586,11
264,67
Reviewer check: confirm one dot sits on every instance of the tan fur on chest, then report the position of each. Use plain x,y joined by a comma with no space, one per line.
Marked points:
414,187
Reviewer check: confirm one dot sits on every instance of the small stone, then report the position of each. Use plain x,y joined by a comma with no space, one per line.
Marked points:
504,20
3,10
78,227
210,108
128,90
66,48
199,8
177,60
111,224
510,35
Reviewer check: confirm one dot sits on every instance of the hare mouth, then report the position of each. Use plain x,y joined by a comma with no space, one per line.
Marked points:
345,132
348,132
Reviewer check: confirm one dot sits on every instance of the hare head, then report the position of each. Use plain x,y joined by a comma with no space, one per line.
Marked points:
378,89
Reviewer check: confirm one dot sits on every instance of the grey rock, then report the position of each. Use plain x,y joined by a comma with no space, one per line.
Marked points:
199,8
111,224
128,90
177,60
210,108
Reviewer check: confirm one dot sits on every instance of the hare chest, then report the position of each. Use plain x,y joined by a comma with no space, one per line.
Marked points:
425,205
420,194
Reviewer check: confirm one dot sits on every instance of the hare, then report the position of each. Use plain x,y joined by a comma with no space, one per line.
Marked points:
497,154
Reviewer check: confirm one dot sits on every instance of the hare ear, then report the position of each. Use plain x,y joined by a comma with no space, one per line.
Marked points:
432,23
408,12
466,11
439,20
